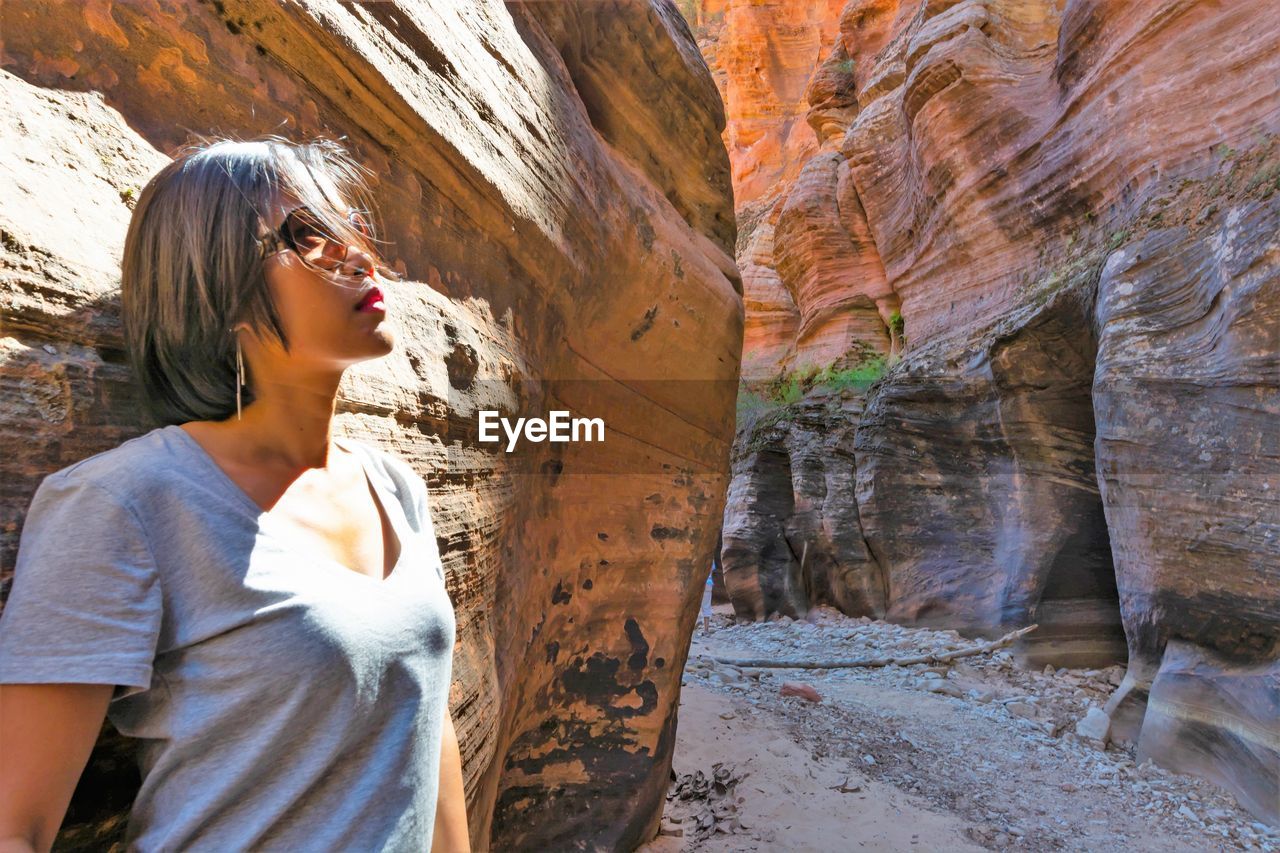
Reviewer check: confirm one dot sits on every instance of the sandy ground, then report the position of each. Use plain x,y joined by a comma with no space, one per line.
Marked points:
901,758
790,801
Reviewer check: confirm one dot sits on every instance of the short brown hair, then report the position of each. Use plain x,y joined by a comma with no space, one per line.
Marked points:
192,265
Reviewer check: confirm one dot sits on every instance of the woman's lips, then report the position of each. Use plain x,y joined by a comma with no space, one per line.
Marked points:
372,301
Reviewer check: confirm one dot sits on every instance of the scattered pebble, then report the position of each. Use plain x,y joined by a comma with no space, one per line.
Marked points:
1023,755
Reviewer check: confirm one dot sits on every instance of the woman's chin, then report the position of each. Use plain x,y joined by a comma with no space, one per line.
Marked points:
382,334
385,334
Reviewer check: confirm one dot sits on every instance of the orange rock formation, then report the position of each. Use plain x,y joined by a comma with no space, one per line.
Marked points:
1073,205
763,56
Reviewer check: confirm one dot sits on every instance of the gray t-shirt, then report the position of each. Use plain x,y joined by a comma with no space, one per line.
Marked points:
281,700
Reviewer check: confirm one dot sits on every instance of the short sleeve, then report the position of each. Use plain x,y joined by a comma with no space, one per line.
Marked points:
85,605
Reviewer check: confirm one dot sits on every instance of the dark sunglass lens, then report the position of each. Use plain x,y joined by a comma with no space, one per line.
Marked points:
308,239
307,236
304,232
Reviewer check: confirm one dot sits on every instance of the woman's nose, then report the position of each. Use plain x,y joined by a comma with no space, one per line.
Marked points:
357,261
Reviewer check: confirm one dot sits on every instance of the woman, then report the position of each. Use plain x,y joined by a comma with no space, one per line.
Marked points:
259,602
706,604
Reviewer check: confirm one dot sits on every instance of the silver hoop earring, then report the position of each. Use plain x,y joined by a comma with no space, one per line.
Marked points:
239,377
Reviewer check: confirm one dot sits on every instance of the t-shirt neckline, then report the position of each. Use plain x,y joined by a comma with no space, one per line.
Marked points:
261,516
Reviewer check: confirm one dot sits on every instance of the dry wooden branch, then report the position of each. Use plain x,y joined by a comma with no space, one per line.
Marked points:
847,664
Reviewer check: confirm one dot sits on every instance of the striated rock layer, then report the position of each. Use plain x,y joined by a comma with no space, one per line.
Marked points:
1071,205
977,493
764,57
563,211
1188,412
792,536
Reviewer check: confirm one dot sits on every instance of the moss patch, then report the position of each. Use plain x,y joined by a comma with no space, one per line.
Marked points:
763,407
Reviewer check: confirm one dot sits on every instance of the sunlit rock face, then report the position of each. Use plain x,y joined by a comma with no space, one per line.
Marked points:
1072,207
554,181
764,57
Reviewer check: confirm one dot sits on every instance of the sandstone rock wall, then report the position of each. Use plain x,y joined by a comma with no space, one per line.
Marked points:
764,57
976,489
555,184
1188,457
792,534
1070,205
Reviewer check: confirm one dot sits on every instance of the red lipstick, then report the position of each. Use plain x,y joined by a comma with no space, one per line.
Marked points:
372,301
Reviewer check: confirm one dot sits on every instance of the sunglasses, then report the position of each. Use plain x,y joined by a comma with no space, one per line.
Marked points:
304,234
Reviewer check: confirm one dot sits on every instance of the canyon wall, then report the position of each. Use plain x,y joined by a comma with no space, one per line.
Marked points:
1054,222
553,179
763,57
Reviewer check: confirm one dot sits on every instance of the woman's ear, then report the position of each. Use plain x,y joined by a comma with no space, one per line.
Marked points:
242,333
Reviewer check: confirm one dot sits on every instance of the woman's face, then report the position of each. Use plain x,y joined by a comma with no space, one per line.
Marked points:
325,329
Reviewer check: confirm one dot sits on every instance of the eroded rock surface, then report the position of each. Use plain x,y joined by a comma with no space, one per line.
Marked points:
1071,208
792,535
764,57
563,212
977,491
1188,412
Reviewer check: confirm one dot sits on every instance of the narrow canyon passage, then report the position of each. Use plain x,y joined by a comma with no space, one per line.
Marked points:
1010,360
916,322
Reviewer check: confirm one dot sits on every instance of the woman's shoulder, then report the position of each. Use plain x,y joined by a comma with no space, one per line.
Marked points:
102,498
126,468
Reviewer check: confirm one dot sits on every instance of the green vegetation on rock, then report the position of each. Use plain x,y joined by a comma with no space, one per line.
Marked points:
764,405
